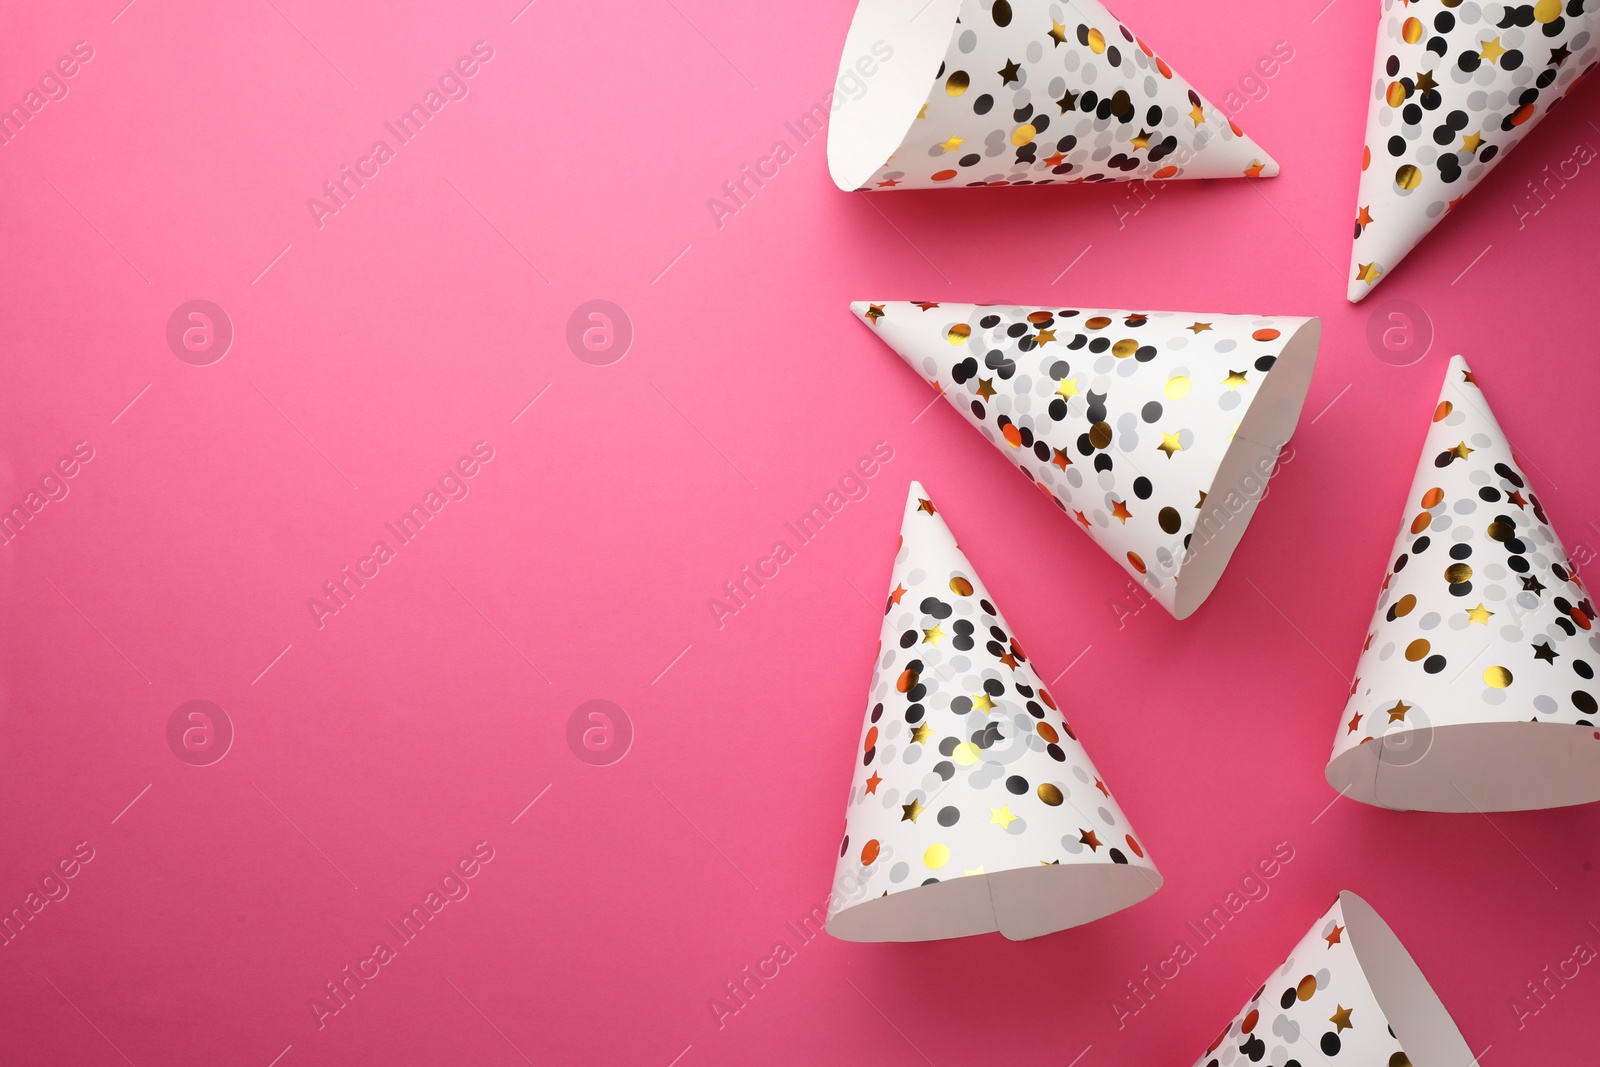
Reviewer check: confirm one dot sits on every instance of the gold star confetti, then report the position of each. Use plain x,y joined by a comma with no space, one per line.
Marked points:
1197,115
1142,139
1398,712
1068,102
933,636
1010,72
1001,816
1545,652
1368,272
909,812
921,733
983,702
976,870
1461,451
1425,81
1068,387
926,505
1058,32
1200,327
1480,614
1531,584
1341,1018
1088,837
1045,336
986,387
874,312
1121,512
1471,141
1235,379
952,144
1169,444
1491,50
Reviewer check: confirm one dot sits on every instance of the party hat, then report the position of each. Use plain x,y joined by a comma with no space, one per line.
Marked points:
1350,993
962,93
1475,690
1455,87
973,807
1155,432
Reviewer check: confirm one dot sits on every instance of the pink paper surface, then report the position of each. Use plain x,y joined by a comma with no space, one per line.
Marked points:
373,752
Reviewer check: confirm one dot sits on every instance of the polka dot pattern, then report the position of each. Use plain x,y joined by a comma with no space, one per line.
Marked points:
1456,84
1123,419
1315,1010
971,766
1052,93
1481,617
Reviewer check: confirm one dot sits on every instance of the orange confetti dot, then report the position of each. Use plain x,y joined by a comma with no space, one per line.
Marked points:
1048,732
1161,65
1049,701
1366,158
1134,845
1524,113
907,679
1433,497
1165,172
1444,409
869,854
1138,564
1265,335
871,741
1250,1021
943,175
1421,522
1013,435
1234,126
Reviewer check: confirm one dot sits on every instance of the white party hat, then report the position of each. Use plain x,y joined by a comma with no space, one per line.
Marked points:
1455,87
1475,690
973,808
1155,432
1350,993
961,93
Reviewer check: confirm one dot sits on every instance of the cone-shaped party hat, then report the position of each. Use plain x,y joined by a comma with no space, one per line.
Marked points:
973,807
1475,690
1349,994
1155,432
961,93
1452,93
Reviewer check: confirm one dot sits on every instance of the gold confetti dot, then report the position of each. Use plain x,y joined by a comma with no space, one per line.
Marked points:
1502,531
936,856
1098,322
1177,387
1023,134
1125,348
966,754
1306,987
1097,42
1421,522
1496,677
957,83
1048,732
1050,794
960,586
1408,177
1457,573
1395,95
958,334
1412,30
1443,410
1547,10
1100,434
1417,649
1171,522
1404,605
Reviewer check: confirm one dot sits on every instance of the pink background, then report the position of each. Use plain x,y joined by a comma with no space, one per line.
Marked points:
372,753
